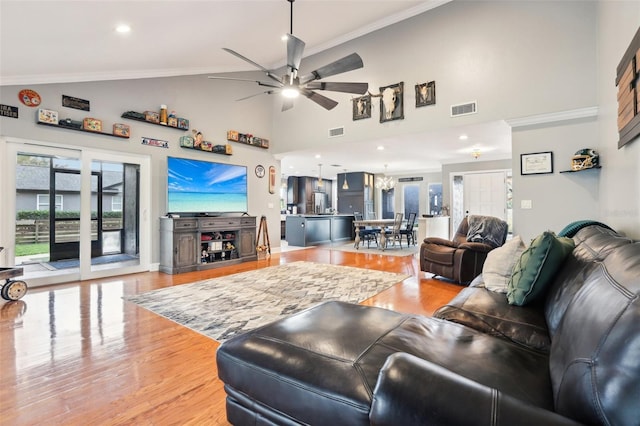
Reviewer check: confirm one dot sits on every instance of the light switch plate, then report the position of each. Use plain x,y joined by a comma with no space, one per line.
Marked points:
525,204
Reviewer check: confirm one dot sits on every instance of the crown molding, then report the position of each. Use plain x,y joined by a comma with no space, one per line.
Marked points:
553,117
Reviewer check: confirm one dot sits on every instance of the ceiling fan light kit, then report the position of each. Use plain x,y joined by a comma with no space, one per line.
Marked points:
290,85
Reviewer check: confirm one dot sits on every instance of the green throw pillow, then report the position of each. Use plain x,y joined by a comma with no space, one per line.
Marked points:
536,268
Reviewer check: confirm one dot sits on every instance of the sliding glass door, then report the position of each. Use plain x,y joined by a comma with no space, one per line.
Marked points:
77,212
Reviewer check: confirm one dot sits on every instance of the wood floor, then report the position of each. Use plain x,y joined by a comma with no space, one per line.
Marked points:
77,354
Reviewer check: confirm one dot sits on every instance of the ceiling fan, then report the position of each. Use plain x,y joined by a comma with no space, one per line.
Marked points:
290,84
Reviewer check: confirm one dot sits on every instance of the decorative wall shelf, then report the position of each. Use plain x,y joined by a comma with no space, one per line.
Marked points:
82,130
247,139
583,170
142,120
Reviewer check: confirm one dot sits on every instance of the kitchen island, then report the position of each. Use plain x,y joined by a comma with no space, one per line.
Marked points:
307,230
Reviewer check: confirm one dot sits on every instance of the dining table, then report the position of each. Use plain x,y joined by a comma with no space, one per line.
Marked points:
375,223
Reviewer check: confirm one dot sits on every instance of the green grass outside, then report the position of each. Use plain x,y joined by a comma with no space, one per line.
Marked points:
31,249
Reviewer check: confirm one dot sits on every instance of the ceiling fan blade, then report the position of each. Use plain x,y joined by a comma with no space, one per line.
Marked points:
255,64
260,83
357,88
295,48
321,100
348,63
287,104
268,92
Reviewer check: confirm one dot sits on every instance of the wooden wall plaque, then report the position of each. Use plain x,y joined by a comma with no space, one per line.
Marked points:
628,84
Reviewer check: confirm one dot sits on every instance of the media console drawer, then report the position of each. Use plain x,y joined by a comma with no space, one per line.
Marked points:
217,222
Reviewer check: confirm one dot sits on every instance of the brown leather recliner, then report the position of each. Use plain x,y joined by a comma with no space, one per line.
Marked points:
460,260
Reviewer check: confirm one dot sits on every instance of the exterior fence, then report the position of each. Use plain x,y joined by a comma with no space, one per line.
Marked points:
37,231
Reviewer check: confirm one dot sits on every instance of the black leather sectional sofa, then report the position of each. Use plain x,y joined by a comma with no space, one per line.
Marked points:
572,358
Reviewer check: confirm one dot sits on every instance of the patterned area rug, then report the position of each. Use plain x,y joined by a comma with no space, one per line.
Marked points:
389,251
222,307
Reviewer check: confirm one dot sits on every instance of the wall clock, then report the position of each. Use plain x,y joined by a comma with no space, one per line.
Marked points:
260,171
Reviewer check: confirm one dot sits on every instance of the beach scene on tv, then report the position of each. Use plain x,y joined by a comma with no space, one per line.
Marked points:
196,186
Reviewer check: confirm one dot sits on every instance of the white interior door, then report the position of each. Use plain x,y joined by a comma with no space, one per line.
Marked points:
486,194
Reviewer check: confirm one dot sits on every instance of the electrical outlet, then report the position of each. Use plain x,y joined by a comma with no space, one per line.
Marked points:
270,205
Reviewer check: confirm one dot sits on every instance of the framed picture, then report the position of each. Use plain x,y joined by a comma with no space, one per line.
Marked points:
361,107
392,102
426,94
536,163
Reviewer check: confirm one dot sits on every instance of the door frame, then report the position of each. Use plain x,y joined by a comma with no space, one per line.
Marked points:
10,146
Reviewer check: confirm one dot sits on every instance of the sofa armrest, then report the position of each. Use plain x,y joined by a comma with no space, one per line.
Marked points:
440,241
413,391
480,247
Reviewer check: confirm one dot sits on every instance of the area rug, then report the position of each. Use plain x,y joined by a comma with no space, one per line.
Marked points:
223,307
373,249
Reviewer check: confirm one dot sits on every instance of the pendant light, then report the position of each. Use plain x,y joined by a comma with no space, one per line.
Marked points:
345,185
320,175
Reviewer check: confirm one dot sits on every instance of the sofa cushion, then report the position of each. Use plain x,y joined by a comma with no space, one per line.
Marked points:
594,354
490,313
498,266
592,245
536,268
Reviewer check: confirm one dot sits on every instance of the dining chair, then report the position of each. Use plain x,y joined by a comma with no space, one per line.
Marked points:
367,233
393,233
408,230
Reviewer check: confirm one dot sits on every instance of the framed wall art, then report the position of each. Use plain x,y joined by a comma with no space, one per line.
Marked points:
425,94
392,102
628,83
536,163
361,107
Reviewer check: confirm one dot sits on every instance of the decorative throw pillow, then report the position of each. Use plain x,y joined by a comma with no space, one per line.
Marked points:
536,268
499,264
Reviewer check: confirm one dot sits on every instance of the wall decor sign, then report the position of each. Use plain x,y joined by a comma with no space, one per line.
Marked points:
391,102
361,107
29,97
628,83
8,111
272,180
155,142
425,94
75,103
536,163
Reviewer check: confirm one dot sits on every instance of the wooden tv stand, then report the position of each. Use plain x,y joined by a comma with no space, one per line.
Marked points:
198,243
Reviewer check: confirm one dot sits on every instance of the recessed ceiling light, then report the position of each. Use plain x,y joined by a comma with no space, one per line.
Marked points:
317,155
123,28
463,137
284,37
381,148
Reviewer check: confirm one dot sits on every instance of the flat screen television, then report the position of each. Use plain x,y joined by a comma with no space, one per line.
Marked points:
205,187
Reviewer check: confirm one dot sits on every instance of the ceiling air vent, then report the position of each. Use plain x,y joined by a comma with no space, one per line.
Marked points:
336,132
464,109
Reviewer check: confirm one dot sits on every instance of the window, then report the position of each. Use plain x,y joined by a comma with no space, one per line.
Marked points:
435,199
411,199
42,201
388,211
116,203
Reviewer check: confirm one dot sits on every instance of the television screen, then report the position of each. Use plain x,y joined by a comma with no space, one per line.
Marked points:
196,186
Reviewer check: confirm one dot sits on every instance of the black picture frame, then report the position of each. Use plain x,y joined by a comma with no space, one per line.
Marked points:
394,96
536,163
425,94
361,107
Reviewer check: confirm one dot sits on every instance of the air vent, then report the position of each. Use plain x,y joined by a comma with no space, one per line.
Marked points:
464,109
336,132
